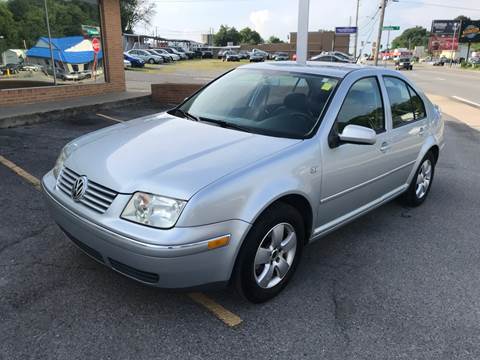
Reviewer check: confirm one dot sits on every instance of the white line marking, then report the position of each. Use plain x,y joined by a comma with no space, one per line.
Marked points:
466,101
109,117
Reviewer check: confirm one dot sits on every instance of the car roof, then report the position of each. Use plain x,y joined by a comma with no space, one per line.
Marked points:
338,70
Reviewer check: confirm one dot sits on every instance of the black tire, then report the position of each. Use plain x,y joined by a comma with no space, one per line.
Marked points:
410,197
151,61
243,278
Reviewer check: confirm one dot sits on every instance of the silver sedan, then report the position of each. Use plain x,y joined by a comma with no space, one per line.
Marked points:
231,185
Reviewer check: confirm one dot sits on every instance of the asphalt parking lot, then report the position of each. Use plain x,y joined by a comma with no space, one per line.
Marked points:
397,283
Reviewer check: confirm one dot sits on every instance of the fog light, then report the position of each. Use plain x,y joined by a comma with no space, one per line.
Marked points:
219,242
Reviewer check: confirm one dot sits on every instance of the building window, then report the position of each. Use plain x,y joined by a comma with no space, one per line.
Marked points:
74,44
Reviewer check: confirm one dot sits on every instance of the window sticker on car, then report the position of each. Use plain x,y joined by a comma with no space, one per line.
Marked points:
327,86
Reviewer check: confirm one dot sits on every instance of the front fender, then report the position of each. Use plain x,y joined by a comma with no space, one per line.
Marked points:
243,195
430,142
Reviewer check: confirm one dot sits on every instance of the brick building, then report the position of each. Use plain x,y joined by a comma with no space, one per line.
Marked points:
22,87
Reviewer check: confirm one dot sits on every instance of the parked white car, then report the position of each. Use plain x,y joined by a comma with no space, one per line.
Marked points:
145,56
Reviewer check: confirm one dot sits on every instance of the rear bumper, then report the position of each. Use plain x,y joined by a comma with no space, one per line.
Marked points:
188,265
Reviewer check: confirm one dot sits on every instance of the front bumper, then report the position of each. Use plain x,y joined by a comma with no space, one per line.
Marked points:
187,263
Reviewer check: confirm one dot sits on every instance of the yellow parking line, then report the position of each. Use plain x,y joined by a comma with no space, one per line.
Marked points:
216,309
19,171
109,117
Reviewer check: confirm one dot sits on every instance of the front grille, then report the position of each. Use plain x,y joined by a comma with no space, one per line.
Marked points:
134,273
96,197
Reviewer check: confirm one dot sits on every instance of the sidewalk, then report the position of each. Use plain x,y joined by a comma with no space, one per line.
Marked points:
465,113
33,113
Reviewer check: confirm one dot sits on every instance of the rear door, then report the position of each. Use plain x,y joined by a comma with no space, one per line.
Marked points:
408,116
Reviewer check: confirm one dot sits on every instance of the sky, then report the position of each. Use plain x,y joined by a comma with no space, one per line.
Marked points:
188,19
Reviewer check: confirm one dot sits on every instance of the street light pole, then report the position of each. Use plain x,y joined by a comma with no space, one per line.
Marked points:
356,34
380,29
453,42
302,32
50,44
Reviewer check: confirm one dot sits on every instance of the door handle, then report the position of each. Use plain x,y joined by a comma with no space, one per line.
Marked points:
421,132
384,147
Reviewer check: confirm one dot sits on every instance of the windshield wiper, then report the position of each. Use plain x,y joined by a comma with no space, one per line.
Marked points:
187,115
225,124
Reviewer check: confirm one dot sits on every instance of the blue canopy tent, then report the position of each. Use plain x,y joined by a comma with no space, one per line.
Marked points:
62,50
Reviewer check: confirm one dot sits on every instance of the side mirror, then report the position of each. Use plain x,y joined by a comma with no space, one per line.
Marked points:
355,134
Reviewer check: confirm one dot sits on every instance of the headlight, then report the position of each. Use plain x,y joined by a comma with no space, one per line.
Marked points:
153,210
64,154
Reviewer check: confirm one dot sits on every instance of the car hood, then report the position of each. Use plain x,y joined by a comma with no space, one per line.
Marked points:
166,155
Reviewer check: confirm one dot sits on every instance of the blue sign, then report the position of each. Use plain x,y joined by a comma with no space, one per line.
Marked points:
346,30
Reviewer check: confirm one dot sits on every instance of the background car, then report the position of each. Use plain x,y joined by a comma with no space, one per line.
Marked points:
163,51
230,56
126,64
257,57
172,50
403,64
265,54
329,58
189,54
134,61
281,56
243,55
166,58
206,54
145,56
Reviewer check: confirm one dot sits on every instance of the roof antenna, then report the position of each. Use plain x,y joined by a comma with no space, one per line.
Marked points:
302,32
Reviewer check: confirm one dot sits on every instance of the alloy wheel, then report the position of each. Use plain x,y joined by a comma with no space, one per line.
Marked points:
424,178
275,255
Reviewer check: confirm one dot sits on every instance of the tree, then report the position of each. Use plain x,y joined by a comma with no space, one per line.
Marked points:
274,40
133,12
225,35
8,30
249,36
416,36
462,18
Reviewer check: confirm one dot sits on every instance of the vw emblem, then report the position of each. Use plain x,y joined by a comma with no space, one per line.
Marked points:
79,187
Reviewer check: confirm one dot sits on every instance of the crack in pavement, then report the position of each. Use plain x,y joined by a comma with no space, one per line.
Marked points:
27,237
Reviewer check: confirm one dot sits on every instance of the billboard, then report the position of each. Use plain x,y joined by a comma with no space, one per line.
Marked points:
442,42
470,31
445,27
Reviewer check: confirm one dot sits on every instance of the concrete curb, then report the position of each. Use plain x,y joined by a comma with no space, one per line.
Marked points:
67,112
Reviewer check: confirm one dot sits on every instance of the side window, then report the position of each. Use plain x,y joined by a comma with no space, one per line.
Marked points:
362,106
400,101
418,105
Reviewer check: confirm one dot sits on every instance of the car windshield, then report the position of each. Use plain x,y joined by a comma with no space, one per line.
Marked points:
274,103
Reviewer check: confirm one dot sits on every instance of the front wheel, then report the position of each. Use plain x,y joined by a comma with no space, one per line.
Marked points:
151,61
421,183
270,254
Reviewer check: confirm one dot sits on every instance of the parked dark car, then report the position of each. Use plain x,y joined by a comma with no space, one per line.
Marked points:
136,62
220,54
189,54
403,64
243,55
207,54
257,57
230,56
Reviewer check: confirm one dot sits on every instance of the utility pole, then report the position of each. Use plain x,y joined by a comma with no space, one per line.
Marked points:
380,29
453,43
356,34
302,32
50,44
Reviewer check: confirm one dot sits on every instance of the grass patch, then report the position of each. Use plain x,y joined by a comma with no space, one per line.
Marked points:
197,66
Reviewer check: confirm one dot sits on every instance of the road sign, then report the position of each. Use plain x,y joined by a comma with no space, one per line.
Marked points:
345,30
391,28
96,45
